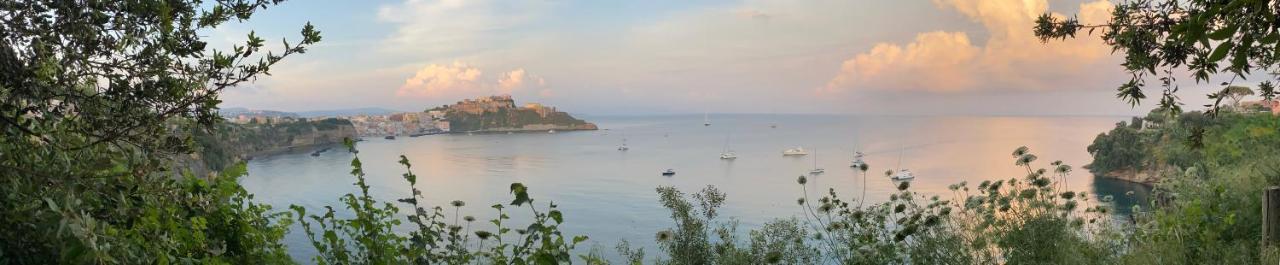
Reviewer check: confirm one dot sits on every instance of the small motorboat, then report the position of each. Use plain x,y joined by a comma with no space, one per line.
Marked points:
728,155
798,151
390,137
317,152
669,172
551,131
903,175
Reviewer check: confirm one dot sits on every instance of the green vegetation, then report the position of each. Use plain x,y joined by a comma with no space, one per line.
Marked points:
507,118
368,237
231,143
1208,195
98,98
1203,38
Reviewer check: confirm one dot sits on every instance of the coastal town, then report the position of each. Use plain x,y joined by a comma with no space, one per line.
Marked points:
484,114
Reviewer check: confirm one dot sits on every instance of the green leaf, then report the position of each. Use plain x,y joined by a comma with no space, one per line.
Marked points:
555,215
53,206
1270,38
579,239
522,196
1221,52
1224,33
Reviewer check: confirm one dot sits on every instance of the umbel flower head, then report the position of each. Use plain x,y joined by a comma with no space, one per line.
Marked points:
802,180
664,235
483,235
1022,150
458,203
1026,159
469,218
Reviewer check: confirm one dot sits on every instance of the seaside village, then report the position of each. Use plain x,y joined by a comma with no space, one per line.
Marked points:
401,124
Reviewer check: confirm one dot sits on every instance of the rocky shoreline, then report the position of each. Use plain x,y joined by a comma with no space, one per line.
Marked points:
540,128
1147,177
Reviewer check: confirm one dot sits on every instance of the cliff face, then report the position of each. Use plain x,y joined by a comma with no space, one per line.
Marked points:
232,143
500,114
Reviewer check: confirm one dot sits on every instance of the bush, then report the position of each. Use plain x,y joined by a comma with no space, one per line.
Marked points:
368,236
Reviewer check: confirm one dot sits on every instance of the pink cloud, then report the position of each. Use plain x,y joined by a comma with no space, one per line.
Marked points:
1011,57
461,79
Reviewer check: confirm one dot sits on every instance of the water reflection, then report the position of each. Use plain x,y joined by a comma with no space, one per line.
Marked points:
1124,195
609,194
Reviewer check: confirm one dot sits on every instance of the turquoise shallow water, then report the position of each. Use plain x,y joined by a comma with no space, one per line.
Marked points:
609,194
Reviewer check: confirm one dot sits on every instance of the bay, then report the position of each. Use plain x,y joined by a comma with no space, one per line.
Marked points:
609,194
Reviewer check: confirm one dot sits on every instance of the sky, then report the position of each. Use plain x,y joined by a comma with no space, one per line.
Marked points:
916,57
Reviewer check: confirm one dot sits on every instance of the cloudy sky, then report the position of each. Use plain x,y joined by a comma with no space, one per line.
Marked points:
928,57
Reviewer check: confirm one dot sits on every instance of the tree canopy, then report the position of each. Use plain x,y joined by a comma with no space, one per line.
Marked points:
1162,37
96,99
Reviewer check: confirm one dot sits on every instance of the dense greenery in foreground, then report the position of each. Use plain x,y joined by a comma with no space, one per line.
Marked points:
96,98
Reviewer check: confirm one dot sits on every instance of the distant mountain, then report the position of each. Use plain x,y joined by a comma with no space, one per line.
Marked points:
348,112
233,112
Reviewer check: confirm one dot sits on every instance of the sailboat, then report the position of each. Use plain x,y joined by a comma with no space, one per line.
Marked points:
727,154
816,170
706,121
857,158
902,174
624,147
774,124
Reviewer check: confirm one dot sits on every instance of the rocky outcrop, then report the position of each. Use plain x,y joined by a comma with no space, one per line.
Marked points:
232,143
1146,176
500,114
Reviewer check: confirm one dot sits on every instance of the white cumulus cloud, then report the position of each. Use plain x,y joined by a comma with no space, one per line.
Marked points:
1011,58
462,80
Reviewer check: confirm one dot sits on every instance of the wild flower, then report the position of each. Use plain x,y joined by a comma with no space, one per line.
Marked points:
664,235
483,235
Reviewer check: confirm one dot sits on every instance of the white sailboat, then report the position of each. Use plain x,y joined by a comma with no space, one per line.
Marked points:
857,158
727,154
902,174
816,170
797,151
624,147
706,120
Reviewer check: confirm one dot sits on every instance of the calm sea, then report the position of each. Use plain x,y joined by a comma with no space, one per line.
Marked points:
609,194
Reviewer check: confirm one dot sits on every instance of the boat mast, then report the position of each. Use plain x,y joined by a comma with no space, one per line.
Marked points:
815,158
726,143
901,149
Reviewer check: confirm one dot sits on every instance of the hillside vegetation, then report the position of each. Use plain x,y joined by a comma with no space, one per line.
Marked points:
230,143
